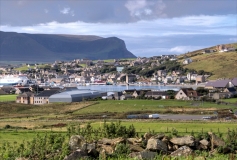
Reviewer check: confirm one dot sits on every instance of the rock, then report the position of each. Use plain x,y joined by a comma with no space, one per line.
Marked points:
78,154
147,136
143,155
175,147
134,141
165,140
88,146
204,144
76,142
159,136
93,153
135,148
182,151
216,141
186,140
156,145
105,141
107,149
118,141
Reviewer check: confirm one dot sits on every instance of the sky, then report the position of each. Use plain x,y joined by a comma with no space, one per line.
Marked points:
148,27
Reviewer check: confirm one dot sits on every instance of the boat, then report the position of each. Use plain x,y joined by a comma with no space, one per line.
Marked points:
14,80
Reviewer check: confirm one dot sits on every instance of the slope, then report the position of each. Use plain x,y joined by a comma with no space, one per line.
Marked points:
221,65
40,47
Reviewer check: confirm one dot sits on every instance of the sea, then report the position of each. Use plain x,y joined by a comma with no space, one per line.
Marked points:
108,88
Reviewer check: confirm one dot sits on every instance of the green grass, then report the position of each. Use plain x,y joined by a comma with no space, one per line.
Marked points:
222,65
231,100
5,98
166,126
25,67
146,105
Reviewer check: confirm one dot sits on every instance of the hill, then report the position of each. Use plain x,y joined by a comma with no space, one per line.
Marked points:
220,64
49,47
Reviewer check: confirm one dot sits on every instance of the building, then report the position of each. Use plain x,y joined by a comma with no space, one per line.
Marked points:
43,97
157,94
130,78
74,96
25,98
186,94
219,84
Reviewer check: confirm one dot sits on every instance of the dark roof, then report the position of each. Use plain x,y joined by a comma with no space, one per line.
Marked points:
26,94
70,88
232,89
129,91
219,83
154,93
189,92
234,81
24,89
47,93
2,92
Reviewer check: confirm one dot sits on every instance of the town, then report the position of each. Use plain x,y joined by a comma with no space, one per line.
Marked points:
45,83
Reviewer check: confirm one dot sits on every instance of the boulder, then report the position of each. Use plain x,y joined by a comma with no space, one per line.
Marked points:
76,142
105,141
143,155
147,136
216,141
119,140
107,149
134,141
88,146
156,145
93,153
135,148
204,144
186,140
159,136
78,154
182,151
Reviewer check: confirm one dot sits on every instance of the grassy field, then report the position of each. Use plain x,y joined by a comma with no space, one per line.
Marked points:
222,65
25,67
231,100
4,98
157,126
149,105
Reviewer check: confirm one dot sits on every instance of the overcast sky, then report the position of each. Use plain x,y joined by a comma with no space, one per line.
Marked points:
148,27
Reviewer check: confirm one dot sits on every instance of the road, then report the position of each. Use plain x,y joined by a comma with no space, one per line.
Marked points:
181,117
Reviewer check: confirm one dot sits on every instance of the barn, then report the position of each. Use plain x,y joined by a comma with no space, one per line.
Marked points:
74,96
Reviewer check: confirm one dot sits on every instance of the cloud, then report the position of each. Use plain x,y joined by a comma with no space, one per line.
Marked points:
148,38
183,49
145,9
67,11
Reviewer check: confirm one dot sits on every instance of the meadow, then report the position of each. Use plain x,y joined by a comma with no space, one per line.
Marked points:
23,124
220,64
161,106
6,98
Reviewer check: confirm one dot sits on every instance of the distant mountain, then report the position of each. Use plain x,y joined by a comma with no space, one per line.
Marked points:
50,47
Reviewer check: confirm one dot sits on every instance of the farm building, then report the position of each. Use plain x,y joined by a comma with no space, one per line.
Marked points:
74,96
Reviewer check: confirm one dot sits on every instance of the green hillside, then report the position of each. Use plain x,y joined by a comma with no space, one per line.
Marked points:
221,65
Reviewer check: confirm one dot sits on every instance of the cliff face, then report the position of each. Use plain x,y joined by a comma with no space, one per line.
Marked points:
46,47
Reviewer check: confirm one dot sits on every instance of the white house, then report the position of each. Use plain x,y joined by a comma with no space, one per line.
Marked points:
187,61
